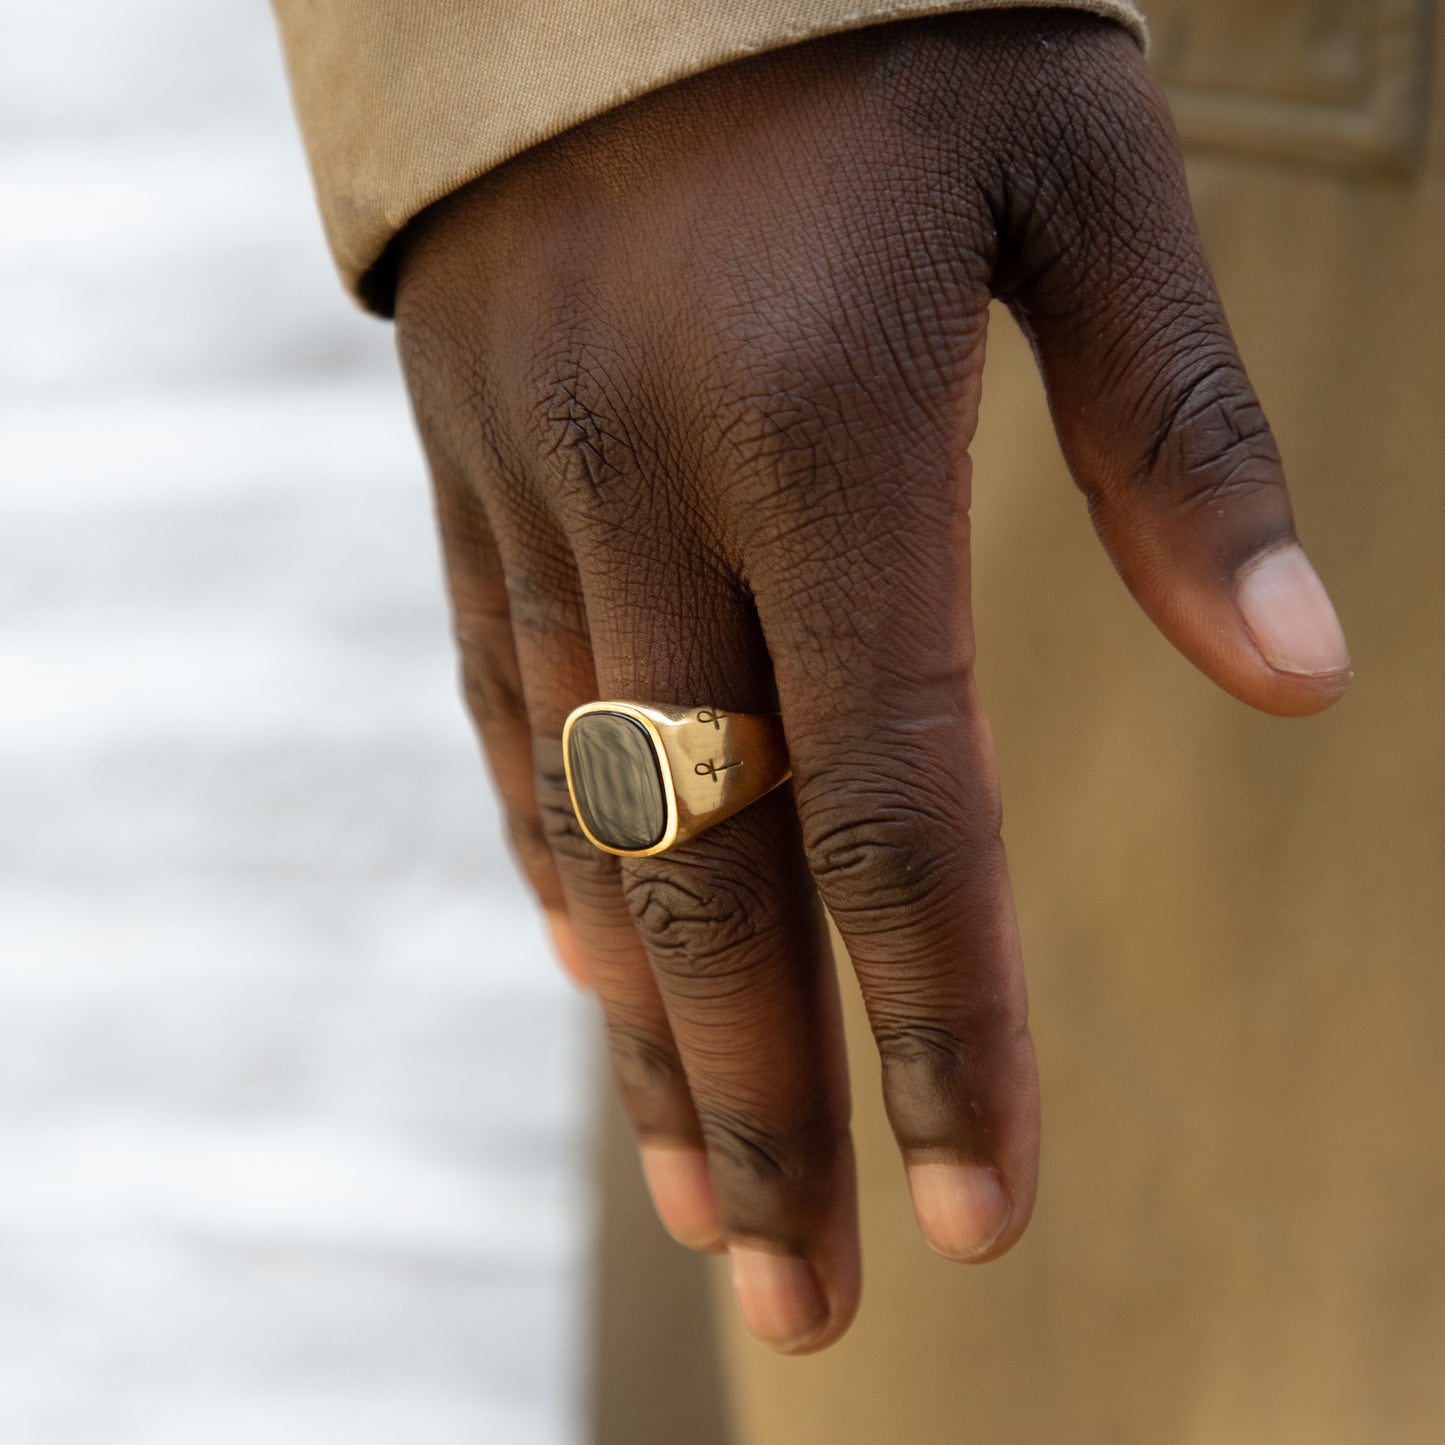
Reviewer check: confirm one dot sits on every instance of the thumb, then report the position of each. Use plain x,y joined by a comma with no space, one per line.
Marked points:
1156,416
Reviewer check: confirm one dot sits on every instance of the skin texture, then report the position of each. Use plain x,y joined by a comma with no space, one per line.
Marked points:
697,383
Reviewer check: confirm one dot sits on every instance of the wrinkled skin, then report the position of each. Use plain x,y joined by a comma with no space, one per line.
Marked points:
697,382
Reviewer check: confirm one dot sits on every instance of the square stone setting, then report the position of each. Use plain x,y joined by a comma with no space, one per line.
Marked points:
617,785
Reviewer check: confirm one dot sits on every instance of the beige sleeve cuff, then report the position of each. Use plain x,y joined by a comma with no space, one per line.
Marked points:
402,101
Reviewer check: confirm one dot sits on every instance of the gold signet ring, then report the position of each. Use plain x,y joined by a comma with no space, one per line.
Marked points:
645,777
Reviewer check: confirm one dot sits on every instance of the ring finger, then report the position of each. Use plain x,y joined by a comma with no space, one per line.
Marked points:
731,925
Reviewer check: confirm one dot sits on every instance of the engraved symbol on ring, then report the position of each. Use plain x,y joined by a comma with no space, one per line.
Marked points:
715,718
711,769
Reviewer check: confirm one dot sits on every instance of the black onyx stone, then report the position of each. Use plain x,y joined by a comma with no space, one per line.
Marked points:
616,784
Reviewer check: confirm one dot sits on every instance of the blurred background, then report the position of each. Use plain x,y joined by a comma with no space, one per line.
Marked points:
290,1090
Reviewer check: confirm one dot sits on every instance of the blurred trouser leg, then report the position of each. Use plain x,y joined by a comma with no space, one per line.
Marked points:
657,1377
1234,925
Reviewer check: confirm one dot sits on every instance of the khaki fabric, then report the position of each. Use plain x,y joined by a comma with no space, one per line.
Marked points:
403,101
656,1376
1235,925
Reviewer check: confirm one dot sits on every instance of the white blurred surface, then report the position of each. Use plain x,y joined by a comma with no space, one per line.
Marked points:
289,1089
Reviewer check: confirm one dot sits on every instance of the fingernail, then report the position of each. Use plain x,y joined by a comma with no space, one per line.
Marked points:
780,1298
682,1194
564,940
1289,614
962,1208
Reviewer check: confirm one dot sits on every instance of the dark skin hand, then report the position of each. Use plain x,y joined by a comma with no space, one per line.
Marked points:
697,382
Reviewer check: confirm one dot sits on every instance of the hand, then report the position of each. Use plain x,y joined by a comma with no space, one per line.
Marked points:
697,382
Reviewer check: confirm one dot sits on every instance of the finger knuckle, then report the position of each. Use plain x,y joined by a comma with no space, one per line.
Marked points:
773,1176
543,606
489,688
648,1075
587,867
577,418
1211,439
697,921
752,1154
921,1045
883,862
931,1075
530,848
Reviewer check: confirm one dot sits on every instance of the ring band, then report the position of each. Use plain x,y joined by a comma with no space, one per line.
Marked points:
644,777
